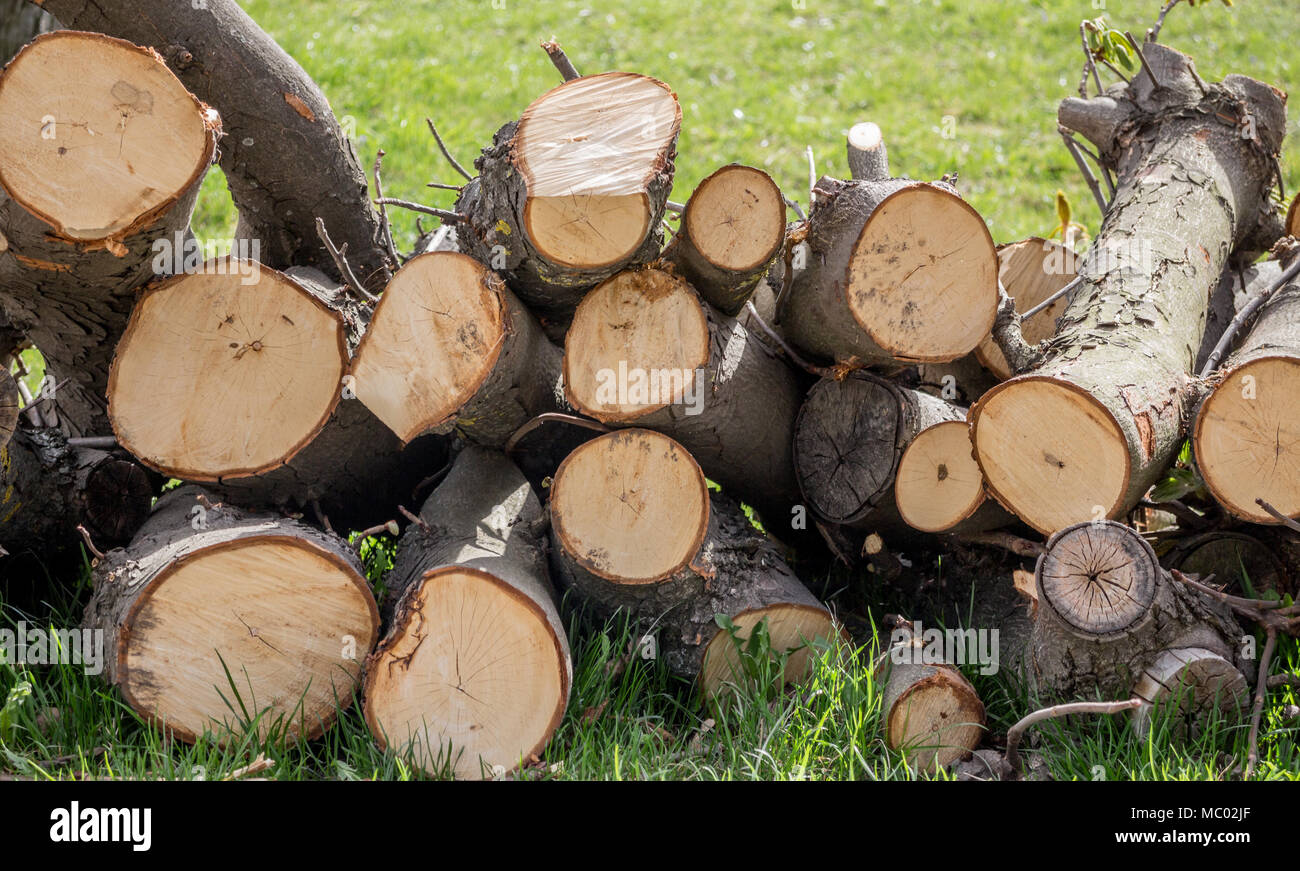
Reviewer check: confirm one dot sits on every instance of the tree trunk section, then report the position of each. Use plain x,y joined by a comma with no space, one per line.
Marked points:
216,618
474,673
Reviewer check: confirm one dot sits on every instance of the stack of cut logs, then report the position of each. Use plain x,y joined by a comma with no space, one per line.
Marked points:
561,381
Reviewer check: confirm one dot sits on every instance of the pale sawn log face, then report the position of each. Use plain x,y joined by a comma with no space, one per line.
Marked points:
474,672
938,483
1031,271
931,712
208,595
1085,434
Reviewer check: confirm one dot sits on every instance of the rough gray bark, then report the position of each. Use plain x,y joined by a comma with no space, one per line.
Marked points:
1126,610
1191,189
20,22
51,488
184,524
286,159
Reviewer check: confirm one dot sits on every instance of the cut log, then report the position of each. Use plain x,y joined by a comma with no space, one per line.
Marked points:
633,527
731,232
214,618
450,346
50,488
894,270
118,128
474,672
1087,431
644,350
1106,612
1031,271
1257,558
1246,438
1193,685
286,159
867,156
574,191
848,440
931,713
938,486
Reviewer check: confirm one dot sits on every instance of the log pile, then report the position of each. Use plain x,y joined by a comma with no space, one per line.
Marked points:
563,393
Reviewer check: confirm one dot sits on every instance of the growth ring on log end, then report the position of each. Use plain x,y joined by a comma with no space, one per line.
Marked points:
79,161
567,142
1050,452
1099,578
938,483
631,506
1247,439
218,377
471,663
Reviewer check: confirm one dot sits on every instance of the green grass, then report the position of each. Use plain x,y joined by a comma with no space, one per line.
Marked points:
758,81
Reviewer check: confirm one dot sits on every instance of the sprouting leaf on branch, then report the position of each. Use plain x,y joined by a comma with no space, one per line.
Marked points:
1069,231
1109,45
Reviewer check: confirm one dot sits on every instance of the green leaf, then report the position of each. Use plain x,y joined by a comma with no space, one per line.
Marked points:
1179,483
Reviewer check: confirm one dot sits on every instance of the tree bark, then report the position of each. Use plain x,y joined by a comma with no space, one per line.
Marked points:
1086,432
218,618
286,158
634,527
20,23
474,672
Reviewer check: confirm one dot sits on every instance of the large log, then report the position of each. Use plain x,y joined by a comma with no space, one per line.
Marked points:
1031,271
450,347
644,350
731,232
286,159
1246,437
633,527
83,112
215,618
575,190
474,672
1083,433
893,269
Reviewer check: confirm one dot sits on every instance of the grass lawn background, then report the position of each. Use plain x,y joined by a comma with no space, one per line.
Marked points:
969,86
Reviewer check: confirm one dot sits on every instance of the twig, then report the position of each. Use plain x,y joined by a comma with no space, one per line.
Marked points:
1257,712
413,518
794,204
416,207
90,545
1177,509
1114,69
1005,540
1051,299
341,262
257,766
445,153
551,417
430,480
561,61
444,187
1072,144
1247,311
1252,608
1160,21
676,208
383,212
390,527
1008,337
1143,58
811,368
1089,66
93,442
812,176
29,404
1016,732
1288,522
320,516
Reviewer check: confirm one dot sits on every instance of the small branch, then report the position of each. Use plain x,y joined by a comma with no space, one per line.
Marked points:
675,208
431,480
90,545
1160,21
390,527
93,442
1281,518
561,61
416,207
551,417
1143,58
812,176
1073,145
1193,520
798,210
1247,312
445,187
1020,355
445,153
320,516
257,766
1257,712
811,368
1069,288
341,263
1090,65
1250,607
383,212
29,404
1016,732
413,518
1006,541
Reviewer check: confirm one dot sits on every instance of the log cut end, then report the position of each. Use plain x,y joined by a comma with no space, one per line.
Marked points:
637,343
1099,578
1247,439
938,483
587,151
471,677
1031,271
736,219
922,279
792,627
436,334
631,507
1051,453
97,136
936,721
1188,685
220,377
268,627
